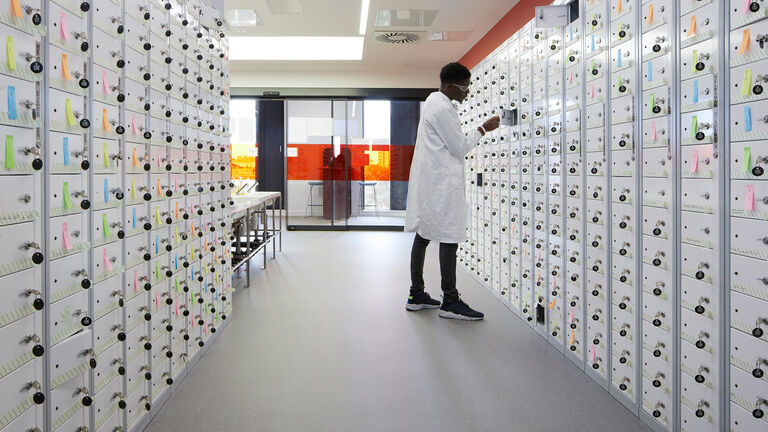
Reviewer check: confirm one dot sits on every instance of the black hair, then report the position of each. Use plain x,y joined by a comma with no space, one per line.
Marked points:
454,73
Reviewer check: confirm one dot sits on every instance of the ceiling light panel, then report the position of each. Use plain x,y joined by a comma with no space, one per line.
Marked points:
295,48
243,18
364,16
455,36
405,17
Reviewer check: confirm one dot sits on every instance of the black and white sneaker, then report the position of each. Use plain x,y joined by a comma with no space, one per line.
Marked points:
460,311
421,301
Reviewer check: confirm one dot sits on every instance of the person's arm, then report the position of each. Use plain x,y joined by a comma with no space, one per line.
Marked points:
448,128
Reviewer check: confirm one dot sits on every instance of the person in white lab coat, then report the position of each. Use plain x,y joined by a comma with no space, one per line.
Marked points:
436,208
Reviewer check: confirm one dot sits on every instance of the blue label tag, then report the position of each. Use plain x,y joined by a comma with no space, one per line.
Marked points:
134,218
618,57
695,91
12,103
570,33
593,43
65,151
106,190
205,289
176,261
747,119
157,244
650,71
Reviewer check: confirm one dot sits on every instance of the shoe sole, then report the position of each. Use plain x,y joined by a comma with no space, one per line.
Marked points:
418,307
451,315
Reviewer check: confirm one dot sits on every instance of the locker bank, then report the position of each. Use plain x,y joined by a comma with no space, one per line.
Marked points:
157,152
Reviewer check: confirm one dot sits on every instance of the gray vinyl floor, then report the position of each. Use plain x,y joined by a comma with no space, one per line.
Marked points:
321,341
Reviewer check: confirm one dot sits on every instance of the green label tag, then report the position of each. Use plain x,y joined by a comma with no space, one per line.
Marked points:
746,83
694,60
747,159
105,225
653,101
10,157
65,196
694,126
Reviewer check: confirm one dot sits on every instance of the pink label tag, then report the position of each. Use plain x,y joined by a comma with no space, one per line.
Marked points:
159,157
66,241
175,184
135,280
107,262
63,26
133,124
193,322
749,204
745,6
104,83
205,329
592,92
570,78
157,299
653,130
592,353
177,308
570,316
695,161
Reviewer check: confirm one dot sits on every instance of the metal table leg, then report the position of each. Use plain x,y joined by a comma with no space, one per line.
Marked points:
248,247
266,238
280,233
272,236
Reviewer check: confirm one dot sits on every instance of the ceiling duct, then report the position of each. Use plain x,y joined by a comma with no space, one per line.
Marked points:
398,37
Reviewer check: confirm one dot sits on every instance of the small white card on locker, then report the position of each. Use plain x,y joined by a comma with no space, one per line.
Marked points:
509,117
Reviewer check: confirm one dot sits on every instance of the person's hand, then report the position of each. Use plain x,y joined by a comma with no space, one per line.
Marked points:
492,123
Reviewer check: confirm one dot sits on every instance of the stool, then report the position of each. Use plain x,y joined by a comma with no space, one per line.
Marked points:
310,204
363,185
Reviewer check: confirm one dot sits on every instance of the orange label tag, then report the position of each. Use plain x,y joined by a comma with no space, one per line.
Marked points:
552,304
159,189
105,120
618,5
649,18
744,41
573,336
178,214
135,158
65,67
16,8
692,26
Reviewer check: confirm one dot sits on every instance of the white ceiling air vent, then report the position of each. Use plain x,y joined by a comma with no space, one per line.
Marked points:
398,37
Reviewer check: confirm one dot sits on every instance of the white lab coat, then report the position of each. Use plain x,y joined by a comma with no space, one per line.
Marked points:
436,208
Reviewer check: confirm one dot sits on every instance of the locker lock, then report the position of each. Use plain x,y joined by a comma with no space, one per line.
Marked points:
38,303
596,314
699,309
147,285
658,378
700,344
624,193
623,331
657,108
82,36
700,375
85,283
37,257
37,18
624,355
757,331
657,409
657,290
700,409
657,259
757,372
147,405
38,349
624,247
596,265
700,272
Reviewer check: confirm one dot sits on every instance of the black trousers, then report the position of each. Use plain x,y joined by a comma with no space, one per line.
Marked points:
447,268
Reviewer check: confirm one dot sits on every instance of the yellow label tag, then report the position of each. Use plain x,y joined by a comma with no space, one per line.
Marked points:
69,113
9,53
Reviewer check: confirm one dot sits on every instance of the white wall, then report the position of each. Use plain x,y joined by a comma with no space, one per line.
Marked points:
415,78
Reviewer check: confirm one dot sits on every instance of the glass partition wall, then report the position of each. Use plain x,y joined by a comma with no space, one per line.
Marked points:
340,165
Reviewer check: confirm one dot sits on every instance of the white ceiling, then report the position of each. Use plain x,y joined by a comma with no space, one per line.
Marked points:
342,18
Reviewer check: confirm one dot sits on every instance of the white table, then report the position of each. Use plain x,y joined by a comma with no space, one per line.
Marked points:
243,212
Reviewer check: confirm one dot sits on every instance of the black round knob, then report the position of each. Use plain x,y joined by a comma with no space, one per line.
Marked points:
757,373
120,29
700,344
622,305
593,170
757,89
147,196
656,413
699,309
92,363
657,353
657,231
85,123
86,321
38,350
595,243
657,291
38,304
84,46
656,109
757,332
595,317
121,404
757,413
656,262
85,283
657,322
700,66
699,275
656,383
83,83
699,413
623,360
39,398
186,312
169,354
36,67
37,258
595,366
623,333
201,344
700,378
147,76
85,165
758,171
121,336
147,286
147,316
121,63
148,346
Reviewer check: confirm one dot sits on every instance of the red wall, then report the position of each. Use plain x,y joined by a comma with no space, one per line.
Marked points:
515,19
